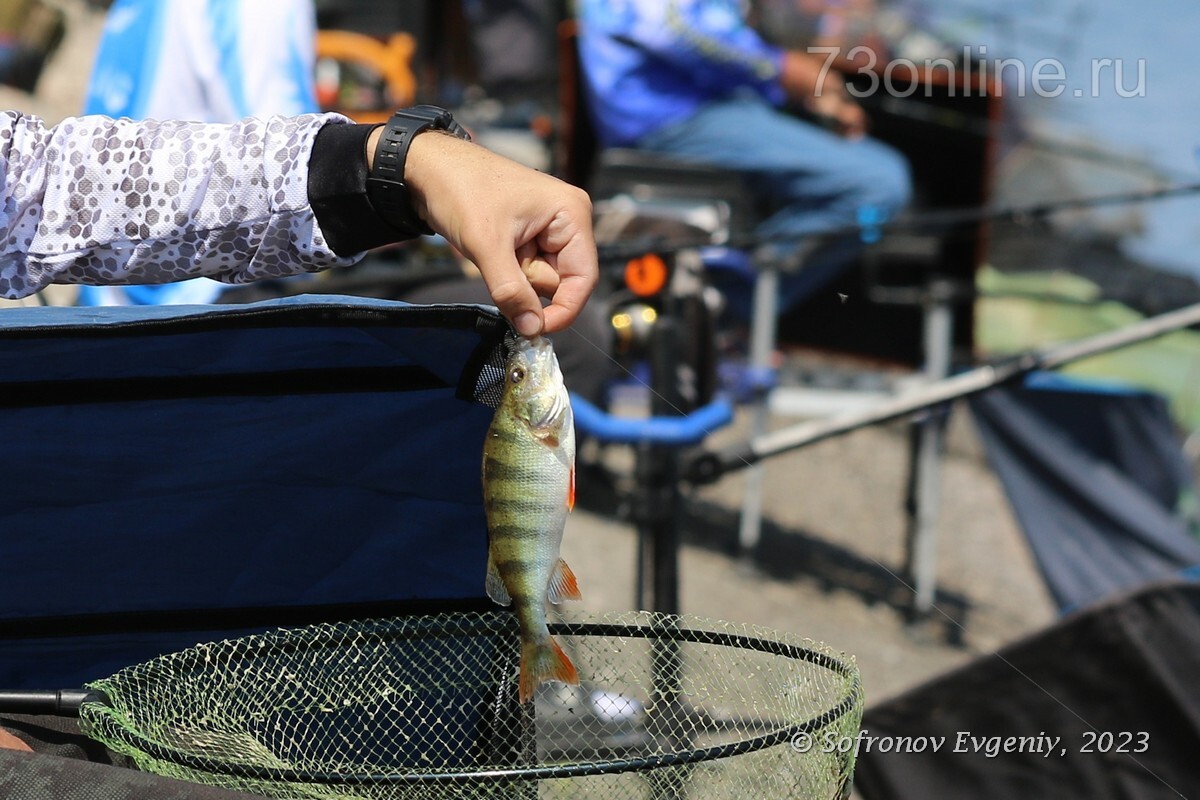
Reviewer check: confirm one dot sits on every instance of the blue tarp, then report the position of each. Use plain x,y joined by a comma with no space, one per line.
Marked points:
1097,479
179,474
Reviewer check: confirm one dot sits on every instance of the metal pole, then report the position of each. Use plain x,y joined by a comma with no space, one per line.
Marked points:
659,467
644,564
929,434
658,484
762,349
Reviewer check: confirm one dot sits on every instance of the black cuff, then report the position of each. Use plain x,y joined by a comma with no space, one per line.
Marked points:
337,192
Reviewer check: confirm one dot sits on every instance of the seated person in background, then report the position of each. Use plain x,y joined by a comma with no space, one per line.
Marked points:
693,79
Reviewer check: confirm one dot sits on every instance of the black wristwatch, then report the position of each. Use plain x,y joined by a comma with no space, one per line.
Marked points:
386,188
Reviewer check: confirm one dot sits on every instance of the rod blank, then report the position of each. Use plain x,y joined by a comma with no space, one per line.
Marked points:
707,467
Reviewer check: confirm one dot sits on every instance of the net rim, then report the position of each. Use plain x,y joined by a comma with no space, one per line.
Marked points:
656,629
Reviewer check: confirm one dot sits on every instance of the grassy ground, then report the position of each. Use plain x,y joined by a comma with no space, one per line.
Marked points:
1019,311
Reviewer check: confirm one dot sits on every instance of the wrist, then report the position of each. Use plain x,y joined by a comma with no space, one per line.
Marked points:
390,149
337,190
341,165
372,144
435,159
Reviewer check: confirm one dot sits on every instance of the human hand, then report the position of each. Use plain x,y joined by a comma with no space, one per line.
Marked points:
842,110
529,234
822,90
10,742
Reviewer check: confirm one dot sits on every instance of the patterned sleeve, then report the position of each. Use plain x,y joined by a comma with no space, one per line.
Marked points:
103,201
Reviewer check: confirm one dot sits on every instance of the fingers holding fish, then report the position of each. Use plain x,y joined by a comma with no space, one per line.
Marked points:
540,273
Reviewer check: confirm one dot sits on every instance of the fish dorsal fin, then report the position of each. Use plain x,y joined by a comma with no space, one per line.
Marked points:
563,585
494,585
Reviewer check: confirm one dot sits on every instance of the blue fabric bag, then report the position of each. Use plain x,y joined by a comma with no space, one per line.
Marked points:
175,474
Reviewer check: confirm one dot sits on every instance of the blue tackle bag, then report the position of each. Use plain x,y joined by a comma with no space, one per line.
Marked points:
177,474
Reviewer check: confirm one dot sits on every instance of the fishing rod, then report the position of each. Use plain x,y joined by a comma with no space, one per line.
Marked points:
1018,213
708,466
956,120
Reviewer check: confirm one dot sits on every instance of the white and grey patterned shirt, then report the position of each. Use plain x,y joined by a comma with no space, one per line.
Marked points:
97,200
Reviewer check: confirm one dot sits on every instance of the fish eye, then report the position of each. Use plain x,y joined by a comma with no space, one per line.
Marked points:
517,375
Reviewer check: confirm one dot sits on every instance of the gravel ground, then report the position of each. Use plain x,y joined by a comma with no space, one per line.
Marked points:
830,564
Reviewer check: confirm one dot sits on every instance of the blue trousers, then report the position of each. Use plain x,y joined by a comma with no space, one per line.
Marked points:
811,179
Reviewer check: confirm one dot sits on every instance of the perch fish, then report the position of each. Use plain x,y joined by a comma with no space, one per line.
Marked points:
528,488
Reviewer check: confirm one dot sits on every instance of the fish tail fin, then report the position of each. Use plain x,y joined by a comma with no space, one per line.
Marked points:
544,661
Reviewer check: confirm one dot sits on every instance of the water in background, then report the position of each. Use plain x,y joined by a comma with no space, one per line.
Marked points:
1147,113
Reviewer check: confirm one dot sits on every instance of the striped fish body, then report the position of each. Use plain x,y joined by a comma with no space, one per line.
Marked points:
528,488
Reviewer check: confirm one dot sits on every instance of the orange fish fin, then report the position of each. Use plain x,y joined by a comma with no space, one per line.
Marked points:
541,662
571,490
563,585
494,584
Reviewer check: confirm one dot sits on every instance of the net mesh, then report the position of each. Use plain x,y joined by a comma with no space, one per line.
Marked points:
426,707
489,380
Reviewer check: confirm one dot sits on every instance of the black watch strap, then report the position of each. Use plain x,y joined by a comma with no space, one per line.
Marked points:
388,192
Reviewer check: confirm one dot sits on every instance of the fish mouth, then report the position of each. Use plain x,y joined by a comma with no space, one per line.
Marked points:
534,347
538,354
545,380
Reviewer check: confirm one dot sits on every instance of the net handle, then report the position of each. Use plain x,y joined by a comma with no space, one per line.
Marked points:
53,702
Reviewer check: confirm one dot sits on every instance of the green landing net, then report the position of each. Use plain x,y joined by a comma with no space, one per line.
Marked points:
425,707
